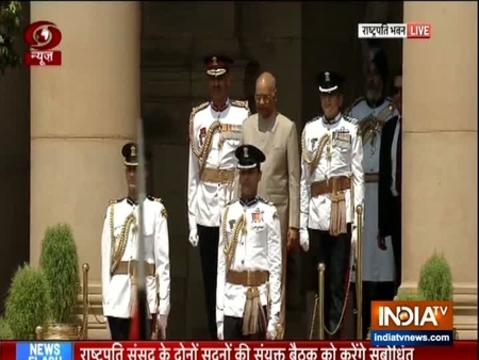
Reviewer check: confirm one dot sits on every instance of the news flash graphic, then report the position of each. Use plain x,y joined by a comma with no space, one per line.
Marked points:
412,323
395,31
42,37
234,350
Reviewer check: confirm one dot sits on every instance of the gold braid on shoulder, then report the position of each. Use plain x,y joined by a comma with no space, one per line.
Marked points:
314,161
194,146
242,104
230,246
202,152
118,244
371,125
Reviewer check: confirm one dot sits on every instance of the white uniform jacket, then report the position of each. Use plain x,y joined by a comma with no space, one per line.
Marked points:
116,288
378,265
258,248
342,155
207,199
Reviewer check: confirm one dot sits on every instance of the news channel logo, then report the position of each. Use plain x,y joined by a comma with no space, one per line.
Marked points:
42,38
44,351
412,323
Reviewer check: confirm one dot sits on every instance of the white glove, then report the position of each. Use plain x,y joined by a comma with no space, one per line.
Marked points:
220,330
272,333
354,239
304,239
193,238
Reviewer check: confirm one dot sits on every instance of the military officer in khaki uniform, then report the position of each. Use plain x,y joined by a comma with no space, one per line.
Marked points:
249,259
373,111
119,256
276,135
332,185
215,131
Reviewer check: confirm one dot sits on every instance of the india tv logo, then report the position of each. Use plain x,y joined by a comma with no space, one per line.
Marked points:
412,323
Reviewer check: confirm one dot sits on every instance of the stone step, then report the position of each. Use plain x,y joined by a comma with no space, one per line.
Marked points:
466,326
465,311
466,320
467,334
97,334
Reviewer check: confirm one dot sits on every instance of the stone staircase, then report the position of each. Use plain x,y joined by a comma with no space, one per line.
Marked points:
466,327
465,315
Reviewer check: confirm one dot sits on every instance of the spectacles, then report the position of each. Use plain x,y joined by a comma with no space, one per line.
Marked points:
264,98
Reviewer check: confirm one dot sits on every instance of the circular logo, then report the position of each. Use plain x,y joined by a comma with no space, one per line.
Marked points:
404,316
42,35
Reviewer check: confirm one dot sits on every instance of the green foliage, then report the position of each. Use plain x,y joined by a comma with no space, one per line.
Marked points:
10,19
435,280
59,262
28,303
5,332
409,296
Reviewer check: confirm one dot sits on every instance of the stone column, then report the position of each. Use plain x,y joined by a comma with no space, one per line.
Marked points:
440,148
81,114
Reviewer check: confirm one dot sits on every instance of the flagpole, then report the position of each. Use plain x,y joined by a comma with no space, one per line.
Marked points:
142,315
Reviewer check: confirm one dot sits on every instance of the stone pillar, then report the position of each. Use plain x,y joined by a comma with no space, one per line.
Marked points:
440,148
81,114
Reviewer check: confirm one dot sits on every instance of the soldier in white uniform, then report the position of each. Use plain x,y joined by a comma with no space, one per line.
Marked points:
215,133
332,185
372,111
119,256
249,259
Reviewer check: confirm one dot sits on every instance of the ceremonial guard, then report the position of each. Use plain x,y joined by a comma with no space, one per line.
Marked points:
372,111
331,186
119,256
249,259
215,133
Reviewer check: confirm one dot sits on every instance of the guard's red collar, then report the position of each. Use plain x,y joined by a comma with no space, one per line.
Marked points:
220,108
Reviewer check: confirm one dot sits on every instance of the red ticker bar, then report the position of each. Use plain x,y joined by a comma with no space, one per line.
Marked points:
268,350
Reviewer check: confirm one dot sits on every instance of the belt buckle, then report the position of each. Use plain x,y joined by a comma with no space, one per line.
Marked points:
334,186
248,278
220,173
131,268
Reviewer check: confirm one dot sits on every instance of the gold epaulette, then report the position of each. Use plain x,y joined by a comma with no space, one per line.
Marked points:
159,200
115,201
314,119
355,102
275,215
110,203
351,119
198,108
152,198
191,127
241,104
303,133
265,201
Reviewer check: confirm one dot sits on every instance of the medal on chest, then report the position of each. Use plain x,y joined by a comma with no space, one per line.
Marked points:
229,132
202,135
341,139
257,222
